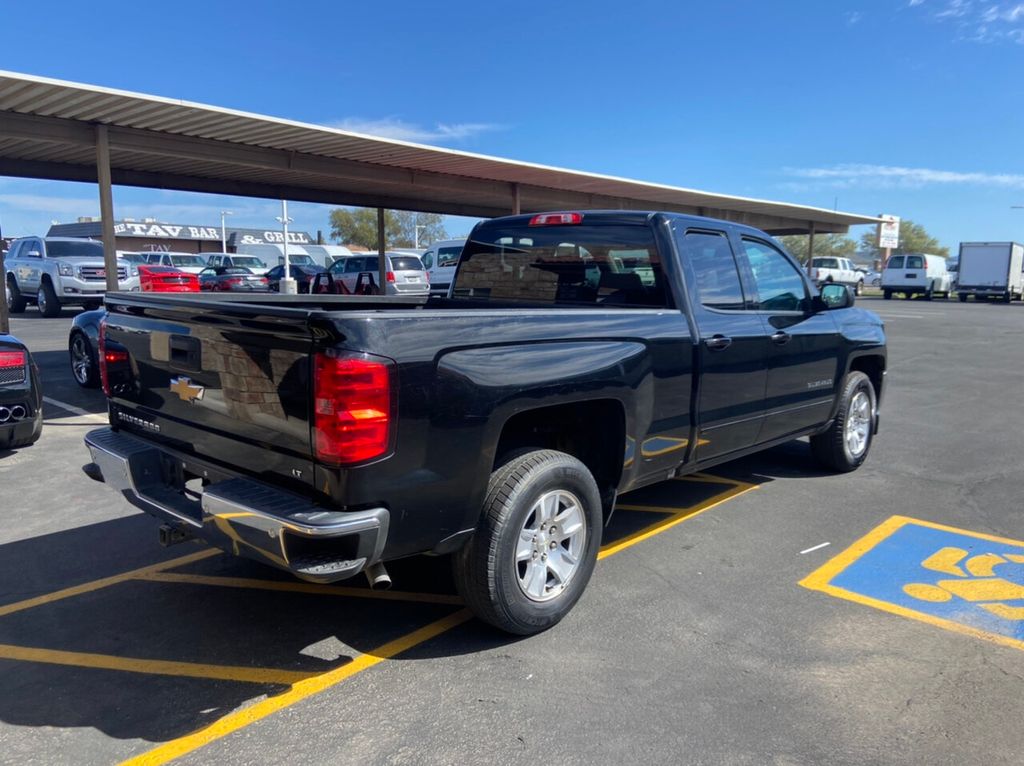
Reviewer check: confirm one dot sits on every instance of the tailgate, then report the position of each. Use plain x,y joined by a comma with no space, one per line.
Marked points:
228,383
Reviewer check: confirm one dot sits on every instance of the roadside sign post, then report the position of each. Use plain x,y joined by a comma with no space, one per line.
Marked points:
888,235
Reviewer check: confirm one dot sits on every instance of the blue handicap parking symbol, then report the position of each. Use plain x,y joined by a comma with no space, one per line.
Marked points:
946,576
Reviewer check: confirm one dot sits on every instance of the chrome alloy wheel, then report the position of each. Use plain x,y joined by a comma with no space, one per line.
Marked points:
858,424
550,545
81,360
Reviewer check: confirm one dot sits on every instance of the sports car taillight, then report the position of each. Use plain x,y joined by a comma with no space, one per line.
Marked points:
11,359
353,407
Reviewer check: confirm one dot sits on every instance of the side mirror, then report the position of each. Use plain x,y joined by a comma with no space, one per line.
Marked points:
836,296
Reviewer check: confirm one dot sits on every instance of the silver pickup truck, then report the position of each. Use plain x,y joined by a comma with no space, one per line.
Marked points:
57,271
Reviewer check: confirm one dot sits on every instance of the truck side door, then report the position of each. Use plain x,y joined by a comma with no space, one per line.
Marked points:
804,346
30,268
732,350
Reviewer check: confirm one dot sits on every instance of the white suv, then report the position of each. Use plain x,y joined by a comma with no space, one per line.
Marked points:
824,270
59,271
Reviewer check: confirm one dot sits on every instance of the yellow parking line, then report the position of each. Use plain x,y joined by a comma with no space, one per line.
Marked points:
300,691
651,508
299,587
707,478
105,582
660,526
154,667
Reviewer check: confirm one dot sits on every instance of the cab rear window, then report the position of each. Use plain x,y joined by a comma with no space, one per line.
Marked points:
563,265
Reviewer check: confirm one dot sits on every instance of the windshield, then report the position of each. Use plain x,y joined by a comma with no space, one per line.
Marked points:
235,270
448,256
248,260
405,263
825,263
565,265
84,249
187,260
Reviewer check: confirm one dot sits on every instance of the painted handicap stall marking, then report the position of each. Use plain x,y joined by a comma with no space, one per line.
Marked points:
954,578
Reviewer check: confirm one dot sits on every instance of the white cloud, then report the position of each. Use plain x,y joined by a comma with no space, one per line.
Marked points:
390,127
852,17
980,23
891,176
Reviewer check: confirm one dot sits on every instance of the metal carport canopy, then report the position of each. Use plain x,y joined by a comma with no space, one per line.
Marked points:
49,129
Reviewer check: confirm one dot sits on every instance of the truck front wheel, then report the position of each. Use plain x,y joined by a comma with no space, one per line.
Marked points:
844,446
536,544
49,305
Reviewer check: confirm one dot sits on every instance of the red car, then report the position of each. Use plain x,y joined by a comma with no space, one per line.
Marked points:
164,279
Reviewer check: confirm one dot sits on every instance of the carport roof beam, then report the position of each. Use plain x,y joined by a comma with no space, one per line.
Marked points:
47,131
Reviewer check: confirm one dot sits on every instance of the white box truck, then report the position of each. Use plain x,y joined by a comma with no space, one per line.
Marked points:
991,269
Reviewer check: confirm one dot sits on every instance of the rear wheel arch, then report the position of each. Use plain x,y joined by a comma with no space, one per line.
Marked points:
593,431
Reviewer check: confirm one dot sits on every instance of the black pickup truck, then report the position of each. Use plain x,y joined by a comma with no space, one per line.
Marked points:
578,355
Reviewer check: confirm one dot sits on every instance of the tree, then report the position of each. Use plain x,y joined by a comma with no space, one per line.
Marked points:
834,245
913,239
358,226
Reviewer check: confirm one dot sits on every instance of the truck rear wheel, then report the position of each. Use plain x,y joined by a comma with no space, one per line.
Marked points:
15,300
844,446
962,297
536,544
887,294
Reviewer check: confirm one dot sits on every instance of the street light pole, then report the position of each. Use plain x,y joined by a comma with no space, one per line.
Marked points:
223,231
287,285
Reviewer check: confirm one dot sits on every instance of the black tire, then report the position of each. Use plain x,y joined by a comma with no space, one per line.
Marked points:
831,448
85,366
16,303
486,570
49,305
91,305
887,295
1006,298
930,292
962,297
859,289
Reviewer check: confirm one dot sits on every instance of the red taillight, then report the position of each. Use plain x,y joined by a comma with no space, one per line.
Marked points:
10,359
351,408
234,281
556,219
107,357
264,281
390,276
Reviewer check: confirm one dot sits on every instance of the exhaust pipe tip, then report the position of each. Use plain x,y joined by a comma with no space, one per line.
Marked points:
18,412
378,577
5,414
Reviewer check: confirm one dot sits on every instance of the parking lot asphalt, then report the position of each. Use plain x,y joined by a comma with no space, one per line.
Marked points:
768,613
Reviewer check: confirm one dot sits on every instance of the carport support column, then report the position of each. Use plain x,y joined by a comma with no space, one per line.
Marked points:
810,244
382,261
106,206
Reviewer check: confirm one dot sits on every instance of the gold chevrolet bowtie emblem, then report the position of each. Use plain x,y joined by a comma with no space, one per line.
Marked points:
187,392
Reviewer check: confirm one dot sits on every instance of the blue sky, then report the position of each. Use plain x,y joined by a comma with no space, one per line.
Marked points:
911,107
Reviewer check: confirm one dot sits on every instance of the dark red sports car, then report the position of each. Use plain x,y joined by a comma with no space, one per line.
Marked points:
165,279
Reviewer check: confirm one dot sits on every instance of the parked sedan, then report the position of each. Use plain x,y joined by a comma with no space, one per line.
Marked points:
21,398
303,276
232,279
83,348
166,279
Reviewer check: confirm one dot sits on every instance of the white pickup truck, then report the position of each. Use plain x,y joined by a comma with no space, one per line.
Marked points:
824,270
59,271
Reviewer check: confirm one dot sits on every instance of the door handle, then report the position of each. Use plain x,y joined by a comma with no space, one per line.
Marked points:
718,342
781,338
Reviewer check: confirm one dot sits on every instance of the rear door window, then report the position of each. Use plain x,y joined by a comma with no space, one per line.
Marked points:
718,279
915,262
600,264
896,262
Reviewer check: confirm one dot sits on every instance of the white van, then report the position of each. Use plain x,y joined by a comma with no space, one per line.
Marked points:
440,260
916,273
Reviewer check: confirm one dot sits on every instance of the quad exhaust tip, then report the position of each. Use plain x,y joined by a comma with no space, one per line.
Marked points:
17,412
5,414
378,577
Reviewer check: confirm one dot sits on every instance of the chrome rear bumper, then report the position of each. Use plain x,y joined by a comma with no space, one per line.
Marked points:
238,514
